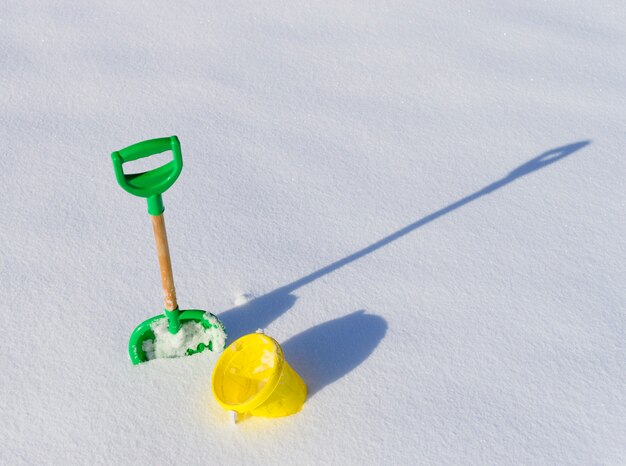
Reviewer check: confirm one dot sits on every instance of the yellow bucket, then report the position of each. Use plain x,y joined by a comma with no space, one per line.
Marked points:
252,377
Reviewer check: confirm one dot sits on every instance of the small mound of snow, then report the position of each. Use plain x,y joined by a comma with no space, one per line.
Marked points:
243,298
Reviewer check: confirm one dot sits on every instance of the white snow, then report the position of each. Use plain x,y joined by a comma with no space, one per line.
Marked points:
189,337
369,171
243,298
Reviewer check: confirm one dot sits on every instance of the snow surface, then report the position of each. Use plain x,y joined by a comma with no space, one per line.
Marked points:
423,200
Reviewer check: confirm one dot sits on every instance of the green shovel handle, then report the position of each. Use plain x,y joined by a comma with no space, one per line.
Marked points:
150,184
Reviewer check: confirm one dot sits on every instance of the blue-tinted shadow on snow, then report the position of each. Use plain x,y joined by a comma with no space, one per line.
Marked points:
327,352
541,161
262,311
257,313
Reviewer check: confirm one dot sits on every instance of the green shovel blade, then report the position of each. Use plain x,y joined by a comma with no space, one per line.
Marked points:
199,330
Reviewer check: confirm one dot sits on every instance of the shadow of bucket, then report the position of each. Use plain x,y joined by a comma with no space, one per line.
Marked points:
253,377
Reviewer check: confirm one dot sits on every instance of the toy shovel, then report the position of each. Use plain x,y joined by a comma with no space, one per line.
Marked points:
175,332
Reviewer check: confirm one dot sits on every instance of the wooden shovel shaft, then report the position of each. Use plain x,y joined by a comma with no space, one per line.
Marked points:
165,264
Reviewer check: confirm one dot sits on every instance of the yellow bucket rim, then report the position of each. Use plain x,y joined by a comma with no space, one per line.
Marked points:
262,395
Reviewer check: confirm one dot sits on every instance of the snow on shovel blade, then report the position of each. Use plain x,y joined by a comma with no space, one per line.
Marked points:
198,331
